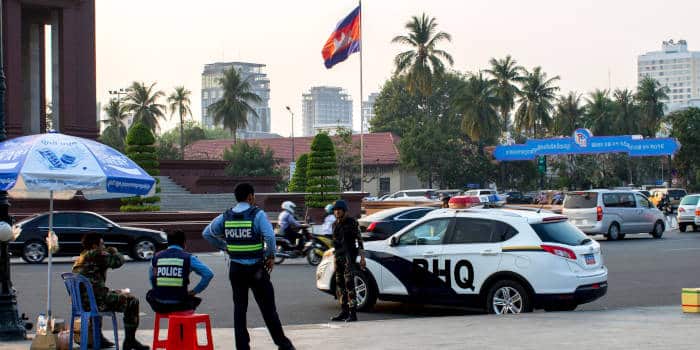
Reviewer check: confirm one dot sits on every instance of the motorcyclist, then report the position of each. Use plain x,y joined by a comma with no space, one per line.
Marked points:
289,226
327,227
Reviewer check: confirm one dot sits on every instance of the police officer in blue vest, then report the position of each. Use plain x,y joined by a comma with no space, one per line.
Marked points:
245,233
169,275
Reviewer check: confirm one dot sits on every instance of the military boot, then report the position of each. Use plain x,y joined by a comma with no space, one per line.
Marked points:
105,343
342,315
130,342
352,315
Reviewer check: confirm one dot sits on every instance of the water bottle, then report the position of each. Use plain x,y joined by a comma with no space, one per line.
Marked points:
41,324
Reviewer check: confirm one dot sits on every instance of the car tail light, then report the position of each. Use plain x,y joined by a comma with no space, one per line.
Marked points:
697,212
599,213
371,227
559,251
681,210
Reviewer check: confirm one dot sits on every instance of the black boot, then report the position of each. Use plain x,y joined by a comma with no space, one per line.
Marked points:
130,342
342,315
104,342
352,315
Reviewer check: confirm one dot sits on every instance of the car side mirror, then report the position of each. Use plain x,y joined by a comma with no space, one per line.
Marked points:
394,241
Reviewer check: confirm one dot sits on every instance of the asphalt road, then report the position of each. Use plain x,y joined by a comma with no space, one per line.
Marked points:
642,272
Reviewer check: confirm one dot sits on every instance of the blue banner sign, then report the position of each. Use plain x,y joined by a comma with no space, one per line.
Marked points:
583,142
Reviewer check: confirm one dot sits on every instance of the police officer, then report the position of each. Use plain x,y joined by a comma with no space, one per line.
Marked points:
247,236
169,276
347,242
93,264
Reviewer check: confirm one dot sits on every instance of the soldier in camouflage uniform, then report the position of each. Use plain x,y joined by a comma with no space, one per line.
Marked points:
93,264
347,242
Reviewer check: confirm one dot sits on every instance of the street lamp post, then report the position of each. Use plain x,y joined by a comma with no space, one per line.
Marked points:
11,325
292,114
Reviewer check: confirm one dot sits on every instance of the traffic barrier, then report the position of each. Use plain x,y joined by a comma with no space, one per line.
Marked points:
690,300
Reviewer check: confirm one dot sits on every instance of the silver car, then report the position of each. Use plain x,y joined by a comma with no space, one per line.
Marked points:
613,213
686,212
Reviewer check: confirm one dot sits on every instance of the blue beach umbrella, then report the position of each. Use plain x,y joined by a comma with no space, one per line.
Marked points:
57,166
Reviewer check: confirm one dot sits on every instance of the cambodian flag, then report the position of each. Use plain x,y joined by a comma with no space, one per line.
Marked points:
344,40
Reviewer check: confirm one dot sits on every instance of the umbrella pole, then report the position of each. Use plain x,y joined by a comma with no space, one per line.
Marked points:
48,284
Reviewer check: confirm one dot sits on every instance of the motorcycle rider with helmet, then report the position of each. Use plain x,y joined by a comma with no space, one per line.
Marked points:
289,226
327,227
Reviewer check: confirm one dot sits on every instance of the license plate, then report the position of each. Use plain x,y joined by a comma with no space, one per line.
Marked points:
590,259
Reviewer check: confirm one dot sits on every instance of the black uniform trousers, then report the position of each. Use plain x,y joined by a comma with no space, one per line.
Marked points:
257,279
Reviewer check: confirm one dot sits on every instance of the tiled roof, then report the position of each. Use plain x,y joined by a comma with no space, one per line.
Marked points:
380,148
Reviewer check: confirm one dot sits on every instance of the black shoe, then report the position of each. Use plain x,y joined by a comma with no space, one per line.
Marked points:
342,316
352,316
105,343
134,345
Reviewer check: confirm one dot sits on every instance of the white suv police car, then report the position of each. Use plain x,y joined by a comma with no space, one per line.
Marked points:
500,260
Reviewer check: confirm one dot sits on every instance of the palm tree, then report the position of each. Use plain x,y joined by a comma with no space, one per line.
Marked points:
568,114
423,59
142,102
477,102
650,96
116,113
599,113
536,98
179,101
234,106
626,112
505,72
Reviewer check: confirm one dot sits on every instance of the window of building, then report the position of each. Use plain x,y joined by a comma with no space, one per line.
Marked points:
205,95
384,185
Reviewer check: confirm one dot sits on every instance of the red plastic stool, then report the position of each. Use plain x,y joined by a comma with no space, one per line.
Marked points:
182,332
162,343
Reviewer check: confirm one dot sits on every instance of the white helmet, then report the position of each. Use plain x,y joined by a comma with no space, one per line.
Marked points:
288,206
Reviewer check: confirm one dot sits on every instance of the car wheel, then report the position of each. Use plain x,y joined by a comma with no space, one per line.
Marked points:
365,291
613,232
34,252
143,250
508,297
658,230
561,307
683,227
313,258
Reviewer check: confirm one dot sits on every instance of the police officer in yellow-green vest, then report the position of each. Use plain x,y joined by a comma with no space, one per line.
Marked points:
246,235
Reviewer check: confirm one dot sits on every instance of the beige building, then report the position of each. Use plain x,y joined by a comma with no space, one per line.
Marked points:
383,173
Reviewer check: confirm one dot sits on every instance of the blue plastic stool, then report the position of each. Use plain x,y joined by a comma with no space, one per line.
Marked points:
73,282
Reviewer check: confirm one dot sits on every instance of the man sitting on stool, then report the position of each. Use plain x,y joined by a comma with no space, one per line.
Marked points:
169,275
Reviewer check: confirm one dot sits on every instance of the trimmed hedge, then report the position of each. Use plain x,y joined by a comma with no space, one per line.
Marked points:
321,173
140,149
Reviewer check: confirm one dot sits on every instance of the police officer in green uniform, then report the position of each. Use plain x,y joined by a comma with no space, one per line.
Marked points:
246,235
347,244
93,264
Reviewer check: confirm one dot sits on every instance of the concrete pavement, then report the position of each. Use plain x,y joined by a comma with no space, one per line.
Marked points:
664,327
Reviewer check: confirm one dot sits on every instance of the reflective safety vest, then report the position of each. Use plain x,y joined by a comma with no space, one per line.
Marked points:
242,240
171,272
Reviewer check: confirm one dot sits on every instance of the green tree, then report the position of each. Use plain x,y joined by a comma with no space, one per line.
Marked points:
423,60
179,101
506,73
322,173
536,101
143,102
626,112
477,103
166,149
685,126
233,108
347,157
298,181
110,137
396,108
114,134
140,149
568,114
599,113
250,159
650,96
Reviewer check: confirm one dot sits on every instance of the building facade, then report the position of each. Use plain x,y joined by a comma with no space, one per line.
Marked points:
675,68
325,108
368,111
212,91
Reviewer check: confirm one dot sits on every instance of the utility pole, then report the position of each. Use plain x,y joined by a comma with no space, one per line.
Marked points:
12,326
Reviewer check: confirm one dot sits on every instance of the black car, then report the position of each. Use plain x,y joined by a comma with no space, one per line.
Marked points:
70,226
385,223
517,198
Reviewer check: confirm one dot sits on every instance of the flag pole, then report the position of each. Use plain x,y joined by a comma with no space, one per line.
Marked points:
362,116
